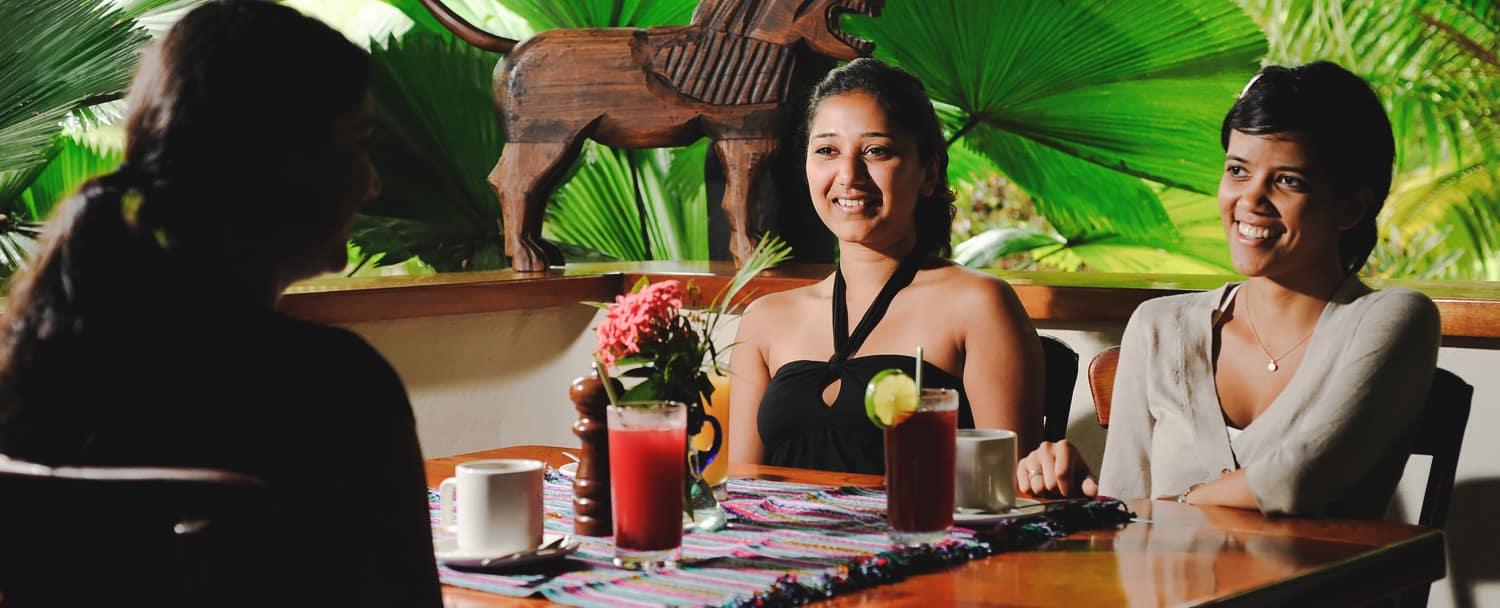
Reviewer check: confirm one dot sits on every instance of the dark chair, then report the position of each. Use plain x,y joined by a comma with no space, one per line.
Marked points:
81,536
1057,394
1439,434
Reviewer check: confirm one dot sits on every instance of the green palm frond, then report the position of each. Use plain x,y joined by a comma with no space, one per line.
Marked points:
1463,205
1081,200
1075,102
552,14
436,139
75,163
489,15
987,247
1137,91
157,16
1435,63
679,220
600,206
59,56
597,207
18,241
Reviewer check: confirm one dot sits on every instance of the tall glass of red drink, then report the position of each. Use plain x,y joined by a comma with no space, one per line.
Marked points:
647,463
919,455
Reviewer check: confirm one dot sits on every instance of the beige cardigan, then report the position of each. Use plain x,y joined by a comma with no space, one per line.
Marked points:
1334,442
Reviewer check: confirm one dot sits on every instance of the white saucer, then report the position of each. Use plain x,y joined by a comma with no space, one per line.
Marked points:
448,554
975,517
569,470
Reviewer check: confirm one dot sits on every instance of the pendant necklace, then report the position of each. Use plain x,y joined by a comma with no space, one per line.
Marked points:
1271,365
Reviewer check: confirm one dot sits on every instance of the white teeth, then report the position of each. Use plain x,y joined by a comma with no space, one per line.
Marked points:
849,203
1254,232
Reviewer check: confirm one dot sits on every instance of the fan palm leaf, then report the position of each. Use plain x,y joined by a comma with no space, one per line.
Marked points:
601,206
58,56
436,139
1075,102
75,163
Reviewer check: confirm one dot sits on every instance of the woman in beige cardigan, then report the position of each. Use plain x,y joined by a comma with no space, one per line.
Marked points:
1294,391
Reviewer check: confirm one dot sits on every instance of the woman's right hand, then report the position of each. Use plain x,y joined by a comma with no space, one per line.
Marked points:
1055,469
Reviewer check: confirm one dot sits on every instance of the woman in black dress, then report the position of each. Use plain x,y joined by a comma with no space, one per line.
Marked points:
876,166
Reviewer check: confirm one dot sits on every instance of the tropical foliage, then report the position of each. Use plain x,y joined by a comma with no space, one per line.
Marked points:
1083,134
61,61
1079,104
1435,64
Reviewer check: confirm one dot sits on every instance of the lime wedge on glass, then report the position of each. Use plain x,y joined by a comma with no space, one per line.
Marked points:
890,397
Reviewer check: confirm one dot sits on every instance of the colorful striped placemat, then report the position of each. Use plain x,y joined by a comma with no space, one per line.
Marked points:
786,543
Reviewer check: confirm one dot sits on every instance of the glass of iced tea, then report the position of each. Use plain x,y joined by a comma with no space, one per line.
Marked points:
919,457
647,465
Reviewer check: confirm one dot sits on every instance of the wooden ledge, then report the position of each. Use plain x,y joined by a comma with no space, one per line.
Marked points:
1469,309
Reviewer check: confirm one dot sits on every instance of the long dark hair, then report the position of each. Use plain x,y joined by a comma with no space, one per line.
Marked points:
1344,127
905,100
223,114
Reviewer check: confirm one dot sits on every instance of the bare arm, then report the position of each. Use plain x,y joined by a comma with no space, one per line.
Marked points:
749,376
1003,373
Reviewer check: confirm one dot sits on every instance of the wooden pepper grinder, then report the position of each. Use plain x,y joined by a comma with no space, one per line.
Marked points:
591,502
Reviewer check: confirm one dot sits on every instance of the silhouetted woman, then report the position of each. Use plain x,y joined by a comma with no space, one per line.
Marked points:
143,331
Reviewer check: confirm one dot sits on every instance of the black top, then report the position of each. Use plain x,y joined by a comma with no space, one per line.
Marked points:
799,430
312,410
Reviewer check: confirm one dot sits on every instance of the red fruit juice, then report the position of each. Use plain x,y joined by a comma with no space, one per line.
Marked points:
646,468
919,455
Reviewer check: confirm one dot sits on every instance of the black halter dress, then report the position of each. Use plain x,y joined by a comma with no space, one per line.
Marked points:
799,430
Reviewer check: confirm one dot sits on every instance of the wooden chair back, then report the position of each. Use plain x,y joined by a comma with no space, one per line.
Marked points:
1102,381
79,536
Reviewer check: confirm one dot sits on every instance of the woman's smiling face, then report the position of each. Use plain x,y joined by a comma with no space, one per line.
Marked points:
1280,210
864,173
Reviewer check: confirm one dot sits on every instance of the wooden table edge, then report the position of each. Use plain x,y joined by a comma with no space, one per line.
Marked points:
1339,583
1334,583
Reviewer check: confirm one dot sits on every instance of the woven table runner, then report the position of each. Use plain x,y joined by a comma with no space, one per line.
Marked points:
786,543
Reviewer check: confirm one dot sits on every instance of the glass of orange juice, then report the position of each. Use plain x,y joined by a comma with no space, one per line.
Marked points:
718,408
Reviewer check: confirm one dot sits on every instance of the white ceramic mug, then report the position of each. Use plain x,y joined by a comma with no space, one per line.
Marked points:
499,506
985,469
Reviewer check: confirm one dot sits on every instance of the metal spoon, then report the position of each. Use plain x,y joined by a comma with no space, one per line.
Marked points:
557,542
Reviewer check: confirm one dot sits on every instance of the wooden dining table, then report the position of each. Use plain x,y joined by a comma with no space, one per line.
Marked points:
1171,554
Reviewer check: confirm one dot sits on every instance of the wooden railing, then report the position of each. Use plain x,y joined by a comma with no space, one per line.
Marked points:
1469,309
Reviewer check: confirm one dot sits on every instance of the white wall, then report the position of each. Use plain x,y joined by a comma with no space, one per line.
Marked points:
489,380
499,379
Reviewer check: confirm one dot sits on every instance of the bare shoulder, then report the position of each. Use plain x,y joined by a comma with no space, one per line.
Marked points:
773,309
967,291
